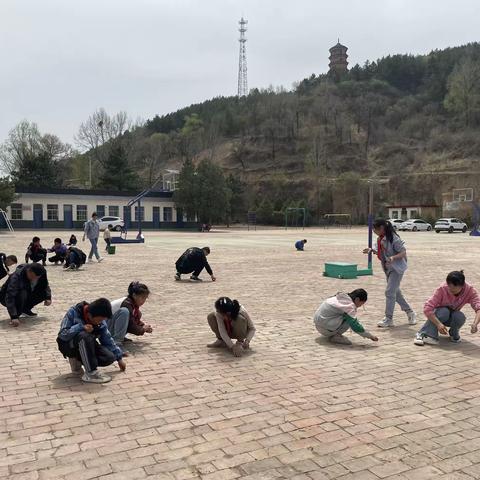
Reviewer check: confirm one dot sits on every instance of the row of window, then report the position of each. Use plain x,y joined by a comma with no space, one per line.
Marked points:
16,210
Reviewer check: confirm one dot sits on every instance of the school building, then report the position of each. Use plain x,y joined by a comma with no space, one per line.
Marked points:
60,208
406,212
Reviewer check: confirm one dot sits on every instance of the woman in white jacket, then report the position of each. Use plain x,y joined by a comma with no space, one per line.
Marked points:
339,313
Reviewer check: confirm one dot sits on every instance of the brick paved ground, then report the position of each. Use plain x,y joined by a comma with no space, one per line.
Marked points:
294,408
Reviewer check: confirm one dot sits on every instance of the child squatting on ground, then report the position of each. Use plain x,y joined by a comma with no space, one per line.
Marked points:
127,317
35,252
442,310
6,261
339,313
300,244
85,340
193,261
231,320
392,254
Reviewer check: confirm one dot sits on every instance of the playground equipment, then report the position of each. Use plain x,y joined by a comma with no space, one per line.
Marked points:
6,220
346,270
340,220
295,217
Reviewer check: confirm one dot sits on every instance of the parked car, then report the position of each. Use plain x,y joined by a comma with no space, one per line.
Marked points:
450,225
116,222
415,224
396,222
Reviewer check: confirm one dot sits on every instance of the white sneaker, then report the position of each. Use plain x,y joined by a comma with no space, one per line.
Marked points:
430,340
99,259
419,340
340,339
412,318
95,377
385,323
75,365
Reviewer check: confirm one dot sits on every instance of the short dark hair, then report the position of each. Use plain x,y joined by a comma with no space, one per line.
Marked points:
13,258
137,288
456,278
100,308
304,240
227,305
35,239
37,269
57,240
359,293
94,214
206,249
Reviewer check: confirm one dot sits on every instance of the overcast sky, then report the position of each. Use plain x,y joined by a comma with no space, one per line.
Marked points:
62,59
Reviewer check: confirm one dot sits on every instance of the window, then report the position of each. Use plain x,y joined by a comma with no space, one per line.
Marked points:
114,211
142,214
52,212
167,214
16,210
100,211
81,213
394,214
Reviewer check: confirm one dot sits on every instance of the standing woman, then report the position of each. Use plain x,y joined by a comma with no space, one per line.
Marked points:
392,254
92,232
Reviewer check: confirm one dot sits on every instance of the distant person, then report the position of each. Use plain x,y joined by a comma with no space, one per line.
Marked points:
92,232
338,314
75,258
6,261
300,244
443,309
35,252
230,321
392,254
26,287
73,240
127,317
60,251
193,261
85,340
107,237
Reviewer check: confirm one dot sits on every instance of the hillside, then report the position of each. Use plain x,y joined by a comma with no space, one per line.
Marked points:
411,119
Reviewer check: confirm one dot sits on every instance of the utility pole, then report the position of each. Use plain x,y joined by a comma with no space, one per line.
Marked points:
242,60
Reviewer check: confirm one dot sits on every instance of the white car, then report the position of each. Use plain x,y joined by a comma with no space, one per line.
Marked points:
116,222
396,222
450,225
414,225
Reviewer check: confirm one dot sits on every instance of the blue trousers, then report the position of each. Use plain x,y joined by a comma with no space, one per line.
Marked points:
449,318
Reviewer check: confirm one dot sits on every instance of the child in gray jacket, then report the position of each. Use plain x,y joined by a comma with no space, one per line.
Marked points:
338,313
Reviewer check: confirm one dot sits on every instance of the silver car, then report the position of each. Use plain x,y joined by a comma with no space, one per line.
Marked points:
450,225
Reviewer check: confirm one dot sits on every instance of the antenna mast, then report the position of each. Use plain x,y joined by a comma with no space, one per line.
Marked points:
242,61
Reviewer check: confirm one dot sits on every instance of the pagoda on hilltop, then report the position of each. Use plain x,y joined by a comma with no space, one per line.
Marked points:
338,60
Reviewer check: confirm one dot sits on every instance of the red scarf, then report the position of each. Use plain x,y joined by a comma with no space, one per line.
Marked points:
136,313
379,246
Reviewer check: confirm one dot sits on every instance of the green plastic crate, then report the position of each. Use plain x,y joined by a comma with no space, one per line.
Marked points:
340,270
111,249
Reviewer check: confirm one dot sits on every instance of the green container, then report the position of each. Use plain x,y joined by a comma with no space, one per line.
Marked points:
111,249
340,270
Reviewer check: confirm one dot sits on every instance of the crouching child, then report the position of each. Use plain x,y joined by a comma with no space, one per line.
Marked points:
75,258
230,321
85,340
339,313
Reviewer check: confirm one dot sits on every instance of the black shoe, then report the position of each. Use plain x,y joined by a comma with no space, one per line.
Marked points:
30,313
195,278
127,340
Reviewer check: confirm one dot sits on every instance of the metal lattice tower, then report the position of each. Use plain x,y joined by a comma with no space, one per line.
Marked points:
242,61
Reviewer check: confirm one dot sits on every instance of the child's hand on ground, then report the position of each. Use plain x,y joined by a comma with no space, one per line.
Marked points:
88,328
373,338
366,250
246,345
237,350
122,365
474,329
148,328
47,303
214,278
442,329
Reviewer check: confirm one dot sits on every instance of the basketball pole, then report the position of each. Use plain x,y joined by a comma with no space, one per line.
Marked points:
370,224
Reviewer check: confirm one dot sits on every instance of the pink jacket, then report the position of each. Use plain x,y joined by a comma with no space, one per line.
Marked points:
443,298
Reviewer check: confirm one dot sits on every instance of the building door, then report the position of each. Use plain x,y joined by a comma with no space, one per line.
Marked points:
68,216
127,216
156,217
179,217
37,215
100,211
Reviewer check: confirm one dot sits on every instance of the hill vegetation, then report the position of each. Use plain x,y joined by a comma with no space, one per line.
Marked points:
411,120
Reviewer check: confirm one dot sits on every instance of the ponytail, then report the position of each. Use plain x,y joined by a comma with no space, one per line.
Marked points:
389,230
226,305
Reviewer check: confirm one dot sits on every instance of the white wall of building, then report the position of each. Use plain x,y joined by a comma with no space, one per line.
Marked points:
92,202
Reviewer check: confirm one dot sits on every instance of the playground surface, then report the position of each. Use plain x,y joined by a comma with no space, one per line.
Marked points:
295,407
